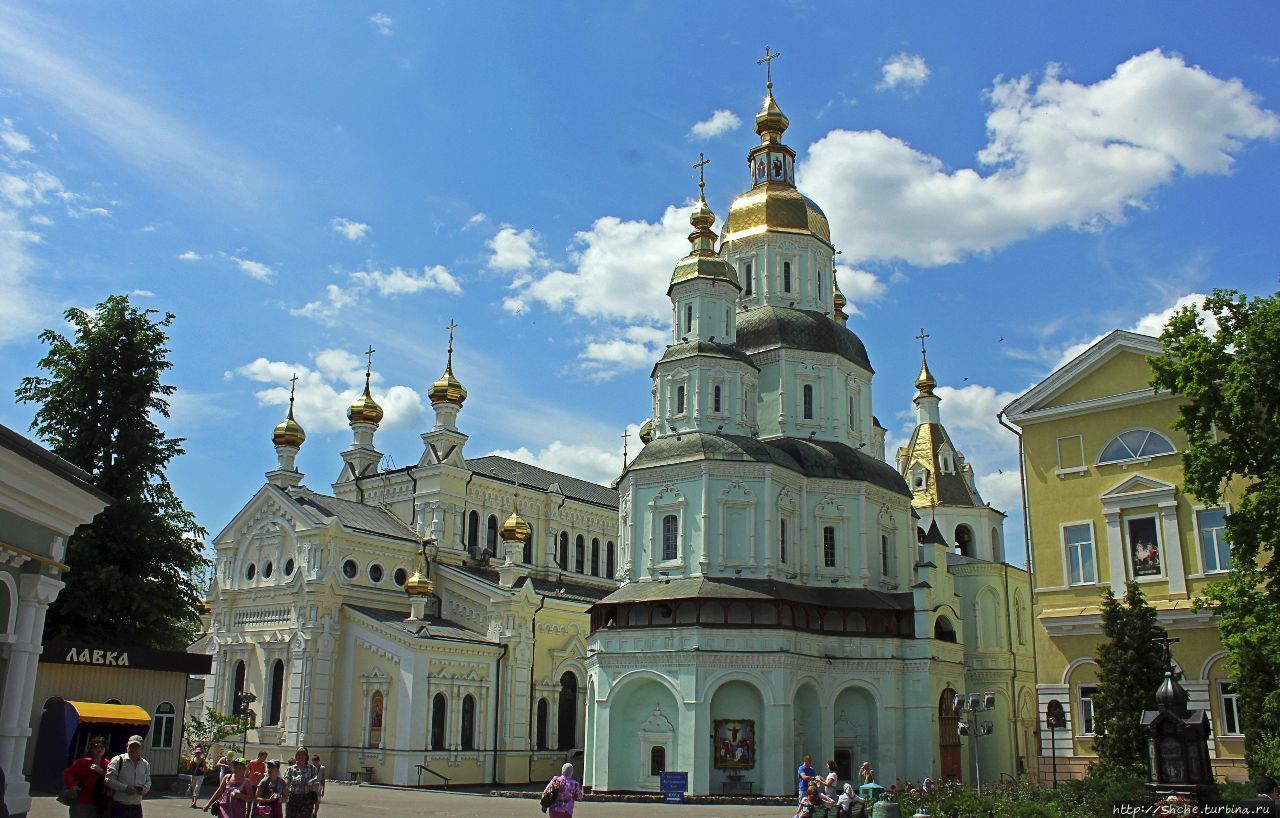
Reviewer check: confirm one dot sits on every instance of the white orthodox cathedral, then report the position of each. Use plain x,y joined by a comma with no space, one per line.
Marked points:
763,583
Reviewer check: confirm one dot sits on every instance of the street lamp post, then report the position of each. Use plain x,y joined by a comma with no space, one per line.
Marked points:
1055,719
243,699
968,706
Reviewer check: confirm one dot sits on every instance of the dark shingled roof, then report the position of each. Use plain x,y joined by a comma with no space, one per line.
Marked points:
708,349
739,588
359,517
50,462
765,328
813,458
430,627
504,469
559,589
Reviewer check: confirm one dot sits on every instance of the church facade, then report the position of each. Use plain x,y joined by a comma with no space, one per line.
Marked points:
785,590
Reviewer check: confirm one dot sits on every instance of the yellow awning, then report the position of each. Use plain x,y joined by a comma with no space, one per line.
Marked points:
111,713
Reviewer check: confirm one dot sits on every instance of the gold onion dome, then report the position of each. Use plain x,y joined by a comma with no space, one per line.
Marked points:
838,299
515,529
288,432
771,120
646,431
418,585
703,261
925,382
365,409
448,389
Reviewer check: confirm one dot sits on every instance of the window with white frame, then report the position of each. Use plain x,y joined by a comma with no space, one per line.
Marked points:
1231,724
688,318
886,554
1215,551
807,401
680,400
786,276
782,540
1082,569
918,478
715,399
670,532
1135,444
748,281
162,727
829,546
1085,698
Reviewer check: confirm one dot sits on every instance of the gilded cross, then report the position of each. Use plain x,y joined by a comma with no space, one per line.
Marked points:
368,353
923,335
293,385
626,434
700,164
452,326
768,58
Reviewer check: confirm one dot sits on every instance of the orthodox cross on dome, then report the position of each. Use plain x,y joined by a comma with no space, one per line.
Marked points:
626,434
921,337
368,354
293,386
452,326
702,182
768,69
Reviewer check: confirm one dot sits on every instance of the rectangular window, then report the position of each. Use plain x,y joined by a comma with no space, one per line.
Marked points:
786,276
669,534
679,400
747,281
1086,710
1214,548
1070,453
1081,569
829,546
782,540
853,413
821,297
715,399
1231,725
884,554
688,318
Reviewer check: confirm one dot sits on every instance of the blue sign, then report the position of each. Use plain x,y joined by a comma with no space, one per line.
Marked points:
674,782
673,797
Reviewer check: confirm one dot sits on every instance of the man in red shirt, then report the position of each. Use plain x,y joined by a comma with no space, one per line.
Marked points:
256,770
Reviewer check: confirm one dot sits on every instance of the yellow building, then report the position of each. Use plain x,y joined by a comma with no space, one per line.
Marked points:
1103,473
418,624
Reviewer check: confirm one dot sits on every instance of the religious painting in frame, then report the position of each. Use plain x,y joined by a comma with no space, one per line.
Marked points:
735,744
1144,546
761,170
776,164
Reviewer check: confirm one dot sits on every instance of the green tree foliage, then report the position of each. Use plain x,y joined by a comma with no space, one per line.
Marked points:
209,730
1130,668
133,569
1230,378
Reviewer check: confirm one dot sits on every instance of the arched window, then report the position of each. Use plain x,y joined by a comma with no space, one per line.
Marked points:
277,692
943,630
527,555
595,557
808,401
568,715
715,399
964,540
237,687
491,535
786,276
162,727
564,550
1135,444
679,400
467,740
473,530
669,531
657,760
610,556
376,704
439,706
579,554
541,736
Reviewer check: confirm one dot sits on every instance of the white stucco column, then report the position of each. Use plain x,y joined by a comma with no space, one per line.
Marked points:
774,752
35,593
1173,566
1115,552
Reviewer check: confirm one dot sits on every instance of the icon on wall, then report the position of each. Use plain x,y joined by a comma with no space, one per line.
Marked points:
735,744
1144,547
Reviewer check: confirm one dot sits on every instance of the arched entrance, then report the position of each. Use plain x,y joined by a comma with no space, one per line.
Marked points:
950,767
737,756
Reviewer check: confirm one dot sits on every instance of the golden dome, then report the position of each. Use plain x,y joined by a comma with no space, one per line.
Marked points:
448,389
703,261
838,300
925,382
418,585
288,432
515,529
365,409
778,207
646,431
771,121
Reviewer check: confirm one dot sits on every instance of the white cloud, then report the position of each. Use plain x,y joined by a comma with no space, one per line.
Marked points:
1150,324
142,294
353,231
383,23
326,389
190,255
720,122
326,310
24,187
860,287
41,219
904,70
79,211
628,348
398,281
476,218
513,249
599,464
1061,154
14,141
255,269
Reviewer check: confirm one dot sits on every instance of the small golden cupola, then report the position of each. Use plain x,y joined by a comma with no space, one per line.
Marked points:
448,389
646,431
418,585
365,409
515,529
838,301
925,382
703,262
288,432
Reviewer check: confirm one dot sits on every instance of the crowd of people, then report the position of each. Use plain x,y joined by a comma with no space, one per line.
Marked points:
821,795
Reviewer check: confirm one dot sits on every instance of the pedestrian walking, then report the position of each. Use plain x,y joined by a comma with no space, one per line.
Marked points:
233,796
256,770
86,779
300,786
320,779
271,791
198,769
567,790
129,778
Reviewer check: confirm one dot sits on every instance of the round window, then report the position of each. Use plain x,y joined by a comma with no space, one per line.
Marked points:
251,571
375,573
288,567
350,569
266,570
401,576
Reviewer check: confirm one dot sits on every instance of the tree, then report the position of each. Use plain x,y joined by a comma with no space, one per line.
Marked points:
1130,668
133,570
1230,377
211,729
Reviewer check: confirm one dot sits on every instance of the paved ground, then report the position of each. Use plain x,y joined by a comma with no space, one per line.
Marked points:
348,801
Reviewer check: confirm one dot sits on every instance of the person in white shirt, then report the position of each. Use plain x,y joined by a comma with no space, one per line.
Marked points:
848,798
129,778
830,781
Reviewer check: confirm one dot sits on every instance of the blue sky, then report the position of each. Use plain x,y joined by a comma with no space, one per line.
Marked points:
297,182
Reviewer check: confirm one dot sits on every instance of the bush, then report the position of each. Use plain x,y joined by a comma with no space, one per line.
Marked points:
1091,797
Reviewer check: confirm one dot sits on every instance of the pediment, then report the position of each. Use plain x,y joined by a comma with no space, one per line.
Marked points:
1114,368
1138,485
268,502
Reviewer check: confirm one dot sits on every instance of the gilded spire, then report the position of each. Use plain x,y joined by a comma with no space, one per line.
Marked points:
771,123
838,301
925,382
288,432
702,238
703,262
448,389
365,409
